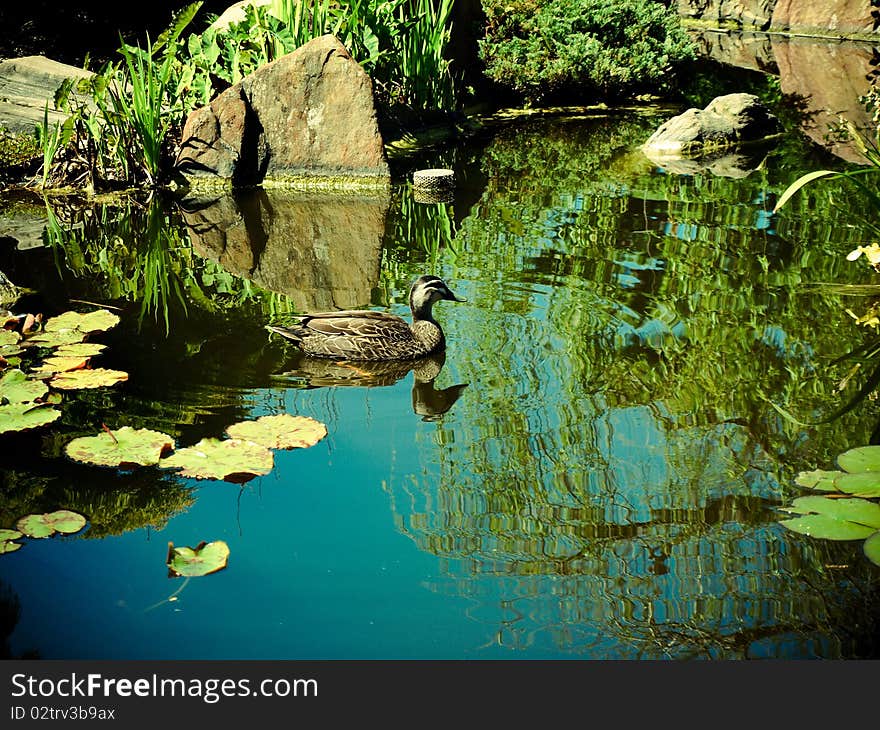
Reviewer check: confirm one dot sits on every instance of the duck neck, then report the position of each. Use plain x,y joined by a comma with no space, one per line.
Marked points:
422,314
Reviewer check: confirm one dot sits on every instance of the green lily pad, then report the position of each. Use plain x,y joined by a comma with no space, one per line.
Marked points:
283,431
7,351
828,528
9,337
834,519
872,548
48,524
57,339
820,480
861,484
132,447
6,541
233,460
204,559
863,458
98,321
25,416
15,387
80,349
88,378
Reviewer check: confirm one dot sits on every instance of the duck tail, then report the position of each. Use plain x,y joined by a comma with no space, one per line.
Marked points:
290,333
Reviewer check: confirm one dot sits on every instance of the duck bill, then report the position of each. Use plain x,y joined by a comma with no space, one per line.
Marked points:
454,297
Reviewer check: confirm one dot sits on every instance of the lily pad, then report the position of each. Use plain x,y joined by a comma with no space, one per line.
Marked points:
9,337
872,548
6,541
98,321
80,349
828,528
48,524
204,559
233,460
863,458
25,416
88,378
834,519
820,480
15,387
57,339
52,365
131,447
862,484
280,432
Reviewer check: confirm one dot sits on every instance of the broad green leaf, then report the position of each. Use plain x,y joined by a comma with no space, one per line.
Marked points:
88,378
828,528
283,431
798,184
98,321
233,460
864,484
203,559
872,548
863,458
859,511
80,349
131,447
24,416
48,524
6,541
15,387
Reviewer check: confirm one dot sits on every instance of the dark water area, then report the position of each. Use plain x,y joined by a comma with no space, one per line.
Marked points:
593,470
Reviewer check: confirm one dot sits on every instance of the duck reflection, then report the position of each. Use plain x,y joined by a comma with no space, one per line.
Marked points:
428,401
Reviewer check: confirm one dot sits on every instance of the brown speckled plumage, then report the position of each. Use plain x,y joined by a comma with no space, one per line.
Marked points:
368,335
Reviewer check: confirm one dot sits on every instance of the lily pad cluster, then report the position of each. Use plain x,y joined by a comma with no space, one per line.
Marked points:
62,521
25,399
238,459
845,510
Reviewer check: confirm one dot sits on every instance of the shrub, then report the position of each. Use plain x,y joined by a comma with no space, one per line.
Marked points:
546,50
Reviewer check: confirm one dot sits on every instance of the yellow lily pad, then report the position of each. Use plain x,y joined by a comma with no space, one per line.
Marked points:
16,387
25,416
48,524
88,378
57,339
233,460
125,447
204,559
100,320
283,431
9,337
52,365
80,349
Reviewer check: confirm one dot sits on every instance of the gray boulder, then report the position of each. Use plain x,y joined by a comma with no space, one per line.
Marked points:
726,122
307,119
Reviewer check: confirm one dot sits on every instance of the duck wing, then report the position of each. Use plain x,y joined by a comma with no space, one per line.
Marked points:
355,324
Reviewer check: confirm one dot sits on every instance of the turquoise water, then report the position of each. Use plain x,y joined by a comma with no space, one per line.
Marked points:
605,486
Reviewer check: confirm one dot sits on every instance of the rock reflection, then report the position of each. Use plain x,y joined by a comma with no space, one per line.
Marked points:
323,252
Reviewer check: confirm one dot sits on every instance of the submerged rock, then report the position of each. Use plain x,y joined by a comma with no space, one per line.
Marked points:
307,119
727,121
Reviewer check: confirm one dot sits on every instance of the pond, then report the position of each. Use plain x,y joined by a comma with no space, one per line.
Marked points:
594,470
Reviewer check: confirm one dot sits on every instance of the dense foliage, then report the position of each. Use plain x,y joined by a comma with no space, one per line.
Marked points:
581,47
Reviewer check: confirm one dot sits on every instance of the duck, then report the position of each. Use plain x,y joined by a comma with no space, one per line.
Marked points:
364,334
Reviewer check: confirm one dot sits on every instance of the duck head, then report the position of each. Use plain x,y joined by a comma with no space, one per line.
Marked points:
425,291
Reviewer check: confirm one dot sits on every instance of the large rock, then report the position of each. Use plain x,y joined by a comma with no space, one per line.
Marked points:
726,122
27,85
307,119
752,14
837,17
